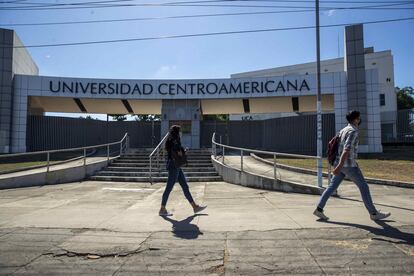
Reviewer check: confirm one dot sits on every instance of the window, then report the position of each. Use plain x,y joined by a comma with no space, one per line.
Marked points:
382,99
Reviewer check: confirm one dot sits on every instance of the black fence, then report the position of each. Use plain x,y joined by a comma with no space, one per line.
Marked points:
46,133
404,127
291,134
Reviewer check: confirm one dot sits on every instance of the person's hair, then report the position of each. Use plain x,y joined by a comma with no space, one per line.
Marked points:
175,130
352,115
174,134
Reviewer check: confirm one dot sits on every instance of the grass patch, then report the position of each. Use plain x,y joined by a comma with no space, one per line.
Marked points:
21,165
401,170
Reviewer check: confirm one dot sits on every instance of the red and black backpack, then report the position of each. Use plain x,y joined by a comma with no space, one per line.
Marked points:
332,149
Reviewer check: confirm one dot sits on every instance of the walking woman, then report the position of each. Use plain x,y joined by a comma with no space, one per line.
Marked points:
173,147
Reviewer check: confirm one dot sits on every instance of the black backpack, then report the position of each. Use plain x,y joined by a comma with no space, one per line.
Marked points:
332,149
179,158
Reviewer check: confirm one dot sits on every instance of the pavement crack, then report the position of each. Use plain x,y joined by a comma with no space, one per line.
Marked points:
221,268
310,253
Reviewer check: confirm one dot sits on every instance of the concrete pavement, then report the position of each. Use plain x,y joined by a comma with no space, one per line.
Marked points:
113,229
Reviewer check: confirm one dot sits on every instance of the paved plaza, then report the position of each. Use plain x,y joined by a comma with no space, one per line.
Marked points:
95,228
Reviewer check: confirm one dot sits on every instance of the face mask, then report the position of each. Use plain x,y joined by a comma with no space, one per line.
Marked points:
360,121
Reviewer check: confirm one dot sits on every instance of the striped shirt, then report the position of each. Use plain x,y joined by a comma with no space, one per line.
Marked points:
349,141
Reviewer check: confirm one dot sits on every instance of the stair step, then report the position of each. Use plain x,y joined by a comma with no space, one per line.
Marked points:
124,160
154,179
146,169
146,165
188,154
155,174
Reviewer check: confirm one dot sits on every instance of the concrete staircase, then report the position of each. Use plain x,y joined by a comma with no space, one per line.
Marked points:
134,167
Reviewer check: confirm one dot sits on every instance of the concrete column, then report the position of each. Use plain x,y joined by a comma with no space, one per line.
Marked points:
18,130
6,95
362,93
13,105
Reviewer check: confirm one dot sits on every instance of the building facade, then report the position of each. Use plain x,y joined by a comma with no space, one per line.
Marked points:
345,84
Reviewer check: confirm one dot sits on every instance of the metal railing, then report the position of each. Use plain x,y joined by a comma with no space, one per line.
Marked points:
275,155
156,153
123,147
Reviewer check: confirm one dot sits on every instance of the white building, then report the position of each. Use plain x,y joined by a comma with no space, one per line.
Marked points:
381,61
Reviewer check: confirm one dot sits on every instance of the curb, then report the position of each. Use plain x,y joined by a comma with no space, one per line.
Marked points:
252,180
311,172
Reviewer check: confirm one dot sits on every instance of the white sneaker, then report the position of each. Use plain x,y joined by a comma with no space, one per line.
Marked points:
380,215
320,215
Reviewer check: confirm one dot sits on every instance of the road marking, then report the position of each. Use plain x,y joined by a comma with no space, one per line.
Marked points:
127,189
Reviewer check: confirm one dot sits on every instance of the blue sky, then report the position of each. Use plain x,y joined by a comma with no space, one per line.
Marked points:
201,57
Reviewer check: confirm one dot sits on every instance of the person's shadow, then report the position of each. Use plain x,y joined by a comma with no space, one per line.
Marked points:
393,234
184,229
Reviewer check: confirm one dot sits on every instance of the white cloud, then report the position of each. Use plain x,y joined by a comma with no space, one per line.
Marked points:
330,12
165,71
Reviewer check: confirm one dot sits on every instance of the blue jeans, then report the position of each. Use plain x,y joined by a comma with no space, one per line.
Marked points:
175,174
355,174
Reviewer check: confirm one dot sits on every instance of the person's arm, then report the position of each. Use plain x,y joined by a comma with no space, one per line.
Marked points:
344,156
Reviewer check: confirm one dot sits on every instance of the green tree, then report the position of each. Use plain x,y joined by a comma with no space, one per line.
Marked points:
118,117
147,118
216,117
405,98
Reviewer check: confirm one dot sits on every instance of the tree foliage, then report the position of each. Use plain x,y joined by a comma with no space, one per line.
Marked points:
405,98
147,118
216,117
118,117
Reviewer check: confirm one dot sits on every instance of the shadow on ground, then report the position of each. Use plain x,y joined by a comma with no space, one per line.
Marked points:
184,229
387,231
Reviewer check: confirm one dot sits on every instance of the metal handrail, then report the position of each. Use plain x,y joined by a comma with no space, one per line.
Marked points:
48,152
156,151
274,154
63,150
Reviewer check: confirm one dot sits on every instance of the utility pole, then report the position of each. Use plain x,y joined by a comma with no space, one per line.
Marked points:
318,98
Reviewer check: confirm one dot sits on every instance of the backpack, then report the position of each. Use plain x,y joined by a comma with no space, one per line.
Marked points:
332,150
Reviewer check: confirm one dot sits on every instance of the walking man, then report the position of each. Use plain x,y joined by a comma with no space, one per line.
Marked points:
346,165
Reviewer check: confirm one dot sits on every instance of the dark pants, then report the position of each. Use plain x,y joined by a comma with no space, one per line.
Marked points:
175,174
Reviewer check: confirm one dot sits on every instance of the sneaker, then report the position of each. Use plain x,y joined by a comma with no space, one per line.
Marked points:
164,213
380,215
320,215
199,209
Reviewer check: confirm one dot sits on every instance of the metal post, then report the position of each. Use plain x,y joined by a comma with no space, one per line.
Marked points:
274,167
107,154
158,159
48,161
84,157
318,103
223,154
241,160
120,149
150,169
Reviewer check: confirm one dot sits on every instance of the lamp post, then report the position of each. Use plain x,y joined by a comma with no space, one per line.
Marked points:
318,98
